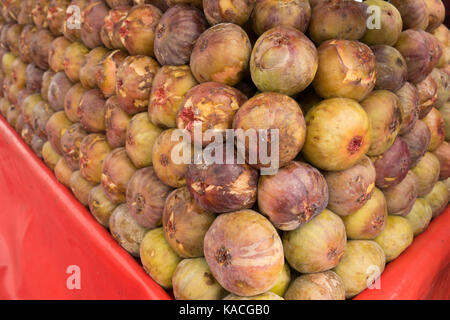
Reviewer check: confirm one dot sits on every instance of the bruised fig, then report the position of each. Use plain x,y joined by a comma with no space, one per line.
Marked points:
427,90
293,196
392,166
116,122
72,101
100,206
427,173
117,170
50,156
56,54
396,237
221,54
362,263
91,111
418,140
346,69
390,67
34,77
420,216
401,197
24,43
263,296
89,67
63,172
414,13
106,71
185,223
435,123
239,271
436,14
176,34
39,118
40,47
443,154
192,280
110,37
125,230
80,187
92,18
350,189
409,104
56,126
145,197
317,245
73,59
56,15
57,91
338,134
70,144
93,149
438,198
39,13
317,286
47,78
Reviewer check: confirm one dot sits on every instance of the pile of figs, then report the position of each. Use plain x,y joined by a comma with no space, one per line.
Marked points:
354,115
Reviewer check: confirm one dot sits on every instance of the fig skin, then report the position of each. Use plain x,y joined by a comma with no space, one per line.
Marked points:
39,13
400,198
100,207
89,67
80,187
72,101
293,196
420,216
24,42
4,105
418,140
27,107
176,34
316,286
264,296
59,86
435,123
221,54
93,149
7,61
414,13
385,115
283,280
427,90
268,14
196,3
443,155
118,3
18,73
56,15
239,271
134,82
39,118
438,198
211,105
137,30
56,53
126,231
344,20
12,114
330,145
49,155
40,47
92,17
63,172
24,16
56,125
409,104
27,134
116,122
117,170
357,264
106,72
445,113
34,77
12,38
283,60
192,280
47,78
390,68
427,172
327,234
170,85
350,189
442,80
91,111
436,14
220,11
392,166
73,59
157,257
390,25
346,69
109,33
70,145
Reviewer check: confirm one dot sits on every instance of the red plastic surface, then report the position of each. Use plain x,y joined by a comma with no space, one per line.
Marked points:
44,230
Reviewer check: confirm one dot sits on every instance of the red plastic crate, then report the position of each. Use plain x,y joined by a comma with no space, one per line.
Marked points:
44,230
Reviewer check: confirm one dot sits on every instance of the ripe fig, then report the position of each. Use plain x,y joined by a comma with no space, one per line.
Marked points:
12,38
192,280
7,60
56,125
24,16
445,113
73,59
80,187
435,123
443,154
56,54
427,172
4,105
390,68
401,197
177,32
438,198
442,80
27,107
12,114
427,90
27,134
109,35
414,13
93,150
100,206
56,15
263,296
346,69
118,3
106,71
57,91
226,247
40,47
283,280
362,263
420,216
47,78
63,172
35,77
24,42
39,118
39,13
12,93
338,134
418,140
317,245
125,230
18,73
221,54
317,286
158,258
116,122
72,101
436,14
196,3
92,18
70,145
409,104
89,67
50,156
91,111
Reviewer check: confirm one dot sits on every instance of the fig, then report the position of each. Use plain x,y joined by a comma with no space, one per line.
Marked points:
56,125
192,280
56,53
118,3
420,216
409,104
438,198
18,73
362,263
436,14
396,237
390,25
71,26
36,144
268,14
435,123
196,3
72,101
40,47
100,206
47,78
22,95
170,85
338,134
344,20
226,247
12,114
39,117
80,187
134,82
109,35
4,105
106,71
445,113
73,59
418,140
93,149
57,90
12,38
24,16
50,156
177,32
317,286
442,80
12,93
221,11
443,155
7,61
137,30
24,43
91,111
385,115
346,69
26,133
70,145
283,280
390,67
92,18
116,122
317,245
34,77
427,172
185,223
117,170
39,13
158,258
392,166
221,54
27,107
12,8
210,106
401,198
263,296
63,172
414,13
427,90
56,14
126,231
89,67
